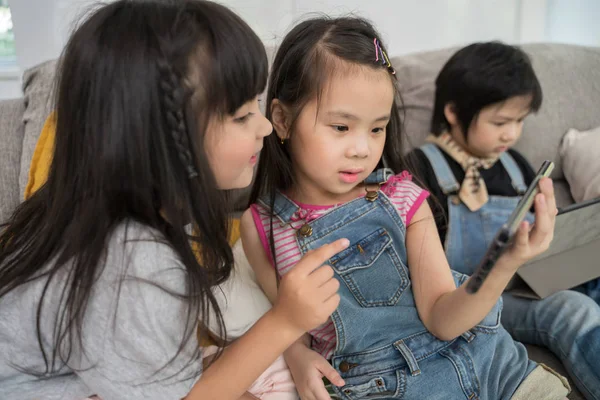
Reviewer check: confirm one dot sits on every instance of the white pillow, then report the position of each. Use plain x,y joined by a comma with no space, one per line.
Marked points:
241,300
580,152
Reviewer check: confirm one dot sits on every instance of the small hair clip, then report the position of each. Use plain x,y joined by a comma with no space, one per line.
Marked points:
384,58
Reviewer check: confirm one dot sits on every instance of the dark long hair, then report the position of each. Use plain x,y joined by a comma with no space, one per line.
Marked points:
137,84
310,54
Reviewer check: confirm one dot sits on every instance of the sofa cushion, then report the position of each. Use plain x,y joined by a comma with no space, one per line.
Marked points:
581,163
38,84
416,76
569,77
11,114
562,193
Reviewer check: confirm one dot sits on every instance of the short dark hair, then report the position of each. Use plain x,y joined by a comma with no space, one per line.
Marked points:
479,75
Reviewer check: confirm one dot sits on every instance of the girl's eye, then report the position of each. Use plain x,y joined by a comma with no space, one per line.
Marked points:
243,118
378,130
498,123
340,128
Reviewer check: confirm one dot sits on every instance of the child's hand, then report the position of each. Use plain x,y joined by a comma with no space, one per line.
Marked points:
308,293
530,243
308,369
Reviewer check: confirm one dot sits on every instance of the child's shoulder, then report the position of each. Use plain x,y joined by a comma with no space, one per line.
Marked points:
254,218
260,205
401,189
406,195
400,182
249,216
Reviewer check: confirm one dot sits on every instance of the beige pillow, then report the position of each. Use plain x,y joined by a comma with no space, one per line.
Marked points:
580,153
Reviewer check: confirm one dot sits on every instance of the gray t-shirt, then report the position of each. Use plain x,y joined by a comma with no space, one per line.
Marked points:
123,353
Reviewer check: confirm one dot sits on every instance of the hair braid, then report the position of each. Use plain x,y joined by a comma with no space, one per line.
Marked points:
174,97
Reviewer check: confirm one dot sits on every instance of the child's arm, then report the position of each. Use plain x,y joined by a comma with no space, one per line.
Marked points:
307,366
307,296
447,311
258,259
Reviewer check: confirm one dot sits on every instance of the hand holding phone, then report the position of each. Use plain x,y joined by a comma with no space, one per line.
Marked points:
505,235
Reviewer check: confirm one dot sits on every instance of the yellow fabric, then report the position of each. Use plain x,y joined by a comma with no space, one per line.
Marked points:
40,166
42,157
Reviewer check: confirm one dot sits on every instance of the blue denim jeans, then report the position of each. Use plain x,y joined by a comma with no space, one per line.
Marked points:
568,324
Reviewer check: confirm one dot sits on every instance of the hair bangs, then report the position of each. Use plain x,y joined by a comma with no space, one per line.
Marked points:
241,68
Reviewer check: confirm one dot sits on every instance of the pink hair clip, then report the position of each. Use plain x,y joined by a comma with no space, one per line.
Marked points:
384,58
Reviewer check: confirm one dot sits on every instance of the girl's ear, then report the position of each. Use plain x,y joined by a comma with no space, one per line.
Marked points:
280,119
450,114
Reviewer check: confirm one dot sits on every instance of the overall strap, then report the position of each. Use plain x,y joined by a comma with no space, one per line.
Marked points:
441,168
379,176
515,173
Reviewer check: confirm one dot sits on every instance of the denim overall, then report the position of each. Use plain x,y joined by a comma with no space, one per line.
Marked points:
470,232
383,349
567,323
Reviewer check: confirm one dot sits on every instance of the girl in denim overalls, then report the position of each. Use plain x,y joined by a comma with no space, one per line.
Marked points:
486,90
402,329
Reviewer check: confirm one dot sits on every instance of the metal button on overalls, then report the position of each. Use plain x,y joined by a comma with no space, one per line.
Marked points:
305,230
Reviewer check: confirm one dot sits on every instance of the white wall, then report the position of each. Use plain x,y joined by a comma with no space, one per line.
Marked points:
42,26
10,84
406,25
41,29
574,21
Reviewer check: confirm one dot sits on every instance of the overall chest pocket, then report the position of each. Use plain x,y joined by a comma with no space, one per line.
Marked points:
372,270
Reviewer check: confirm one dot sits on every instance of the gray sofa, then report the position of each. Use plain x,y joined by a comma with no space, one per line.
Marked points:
570,77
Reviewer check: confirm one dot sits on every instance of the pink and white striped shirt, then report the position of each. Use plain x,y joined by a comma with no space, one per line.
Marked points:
403,193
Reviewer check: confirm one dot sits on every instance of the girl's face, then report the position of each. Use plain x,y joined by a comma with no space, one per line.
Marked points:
495,129
337,143
232,145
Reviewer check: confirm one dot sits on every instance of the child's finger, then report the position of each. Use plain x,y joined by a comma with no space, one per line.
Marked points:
547,188
331,304
322,275
318,390
315,259
522,236
330,373
329,288
544,223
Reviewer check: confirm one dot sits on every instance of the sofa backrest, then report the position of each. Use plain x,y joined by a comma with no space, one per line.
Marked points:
11,143
569,75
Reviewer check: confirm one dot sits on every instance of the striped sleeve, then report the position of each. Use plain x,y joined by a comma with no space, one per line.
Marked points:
405,195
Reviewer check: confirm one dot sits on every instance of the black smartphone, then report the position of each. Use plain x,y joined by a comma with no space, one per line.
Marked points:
505,235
